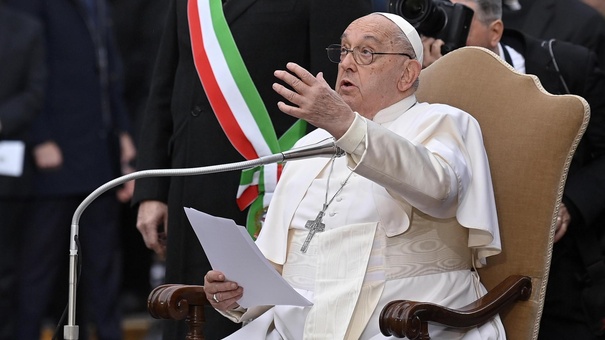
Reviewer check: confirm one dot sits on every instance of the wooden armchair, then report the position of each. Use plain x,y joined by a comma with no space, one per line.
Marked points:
530,137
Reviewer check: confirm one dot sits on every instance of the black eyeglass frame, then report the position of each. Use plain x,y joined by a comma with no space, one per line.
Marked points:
340,49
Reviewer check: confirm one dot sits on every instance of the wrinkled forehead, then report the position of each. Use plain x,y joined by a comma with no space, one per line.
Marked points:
369,28
380,27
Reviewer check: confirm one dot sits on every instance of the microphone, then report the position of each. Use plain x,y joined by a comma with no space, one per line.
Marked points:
322,148
325,148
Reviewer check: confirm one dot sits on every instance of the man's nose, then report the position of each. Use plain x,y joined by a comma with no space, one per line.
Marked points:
348,60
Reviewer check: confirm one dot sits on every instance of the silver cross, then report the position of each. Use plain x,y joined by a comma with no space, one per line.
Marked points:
314,226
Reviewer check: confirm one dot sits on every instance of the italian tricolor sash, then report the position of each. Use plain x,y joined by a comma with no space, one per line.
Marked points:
237,106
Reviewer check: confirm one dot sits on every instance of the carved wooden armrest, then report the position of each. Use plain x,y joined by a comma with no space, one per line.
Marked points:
178,302
403,318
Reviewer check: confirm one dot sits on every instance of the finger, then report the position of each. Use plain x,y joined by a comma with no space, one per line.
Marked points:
560,232
558,223
161,252
165,220
226,305
224,300
160,248
563,207
151,239
303,75
320,78
435,47
286,77
214,276
564,213
287,94
162,239
156,246
149,235
222,290
215,283
290,110
218,288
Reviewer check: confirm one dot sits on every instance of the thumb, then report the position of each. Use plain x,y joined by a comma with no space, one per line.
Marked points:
322,80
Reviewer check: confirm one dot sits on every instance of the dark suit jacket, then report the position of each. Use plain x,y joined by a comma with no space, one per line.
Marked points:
22,81
584,194
567,20
138,25
84,109
579,68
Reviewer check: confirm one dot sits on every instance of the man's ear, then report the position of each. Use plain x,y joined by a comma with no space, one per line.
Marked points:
496,29
411,71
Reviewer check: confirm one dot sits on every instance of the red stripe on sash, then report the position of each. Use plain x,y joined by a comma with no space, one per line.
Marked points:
213,92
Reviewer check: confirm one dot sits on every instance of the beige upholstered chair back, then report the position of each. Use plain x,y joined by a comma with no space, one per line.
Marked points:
530,137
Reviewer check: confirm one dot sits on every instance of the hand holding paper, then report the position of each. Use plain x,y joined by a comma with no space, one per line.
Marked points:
231,250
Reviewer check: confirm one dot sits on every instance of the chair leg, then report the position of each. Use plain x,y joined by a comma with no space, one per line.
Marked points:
195,323
178,302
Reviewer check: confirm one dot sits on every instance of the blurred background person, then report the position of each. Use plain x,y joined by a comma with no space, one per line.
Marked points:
568,20
22,82
138,26
599,5
181,130
81,140
562,68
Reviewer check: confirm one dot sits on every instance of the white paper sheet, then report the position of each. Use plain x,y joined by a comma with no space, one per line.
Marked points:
11,157
231,250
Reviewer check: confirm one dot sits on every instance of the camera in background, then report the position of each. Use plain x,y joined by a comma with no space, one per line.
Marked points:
440,19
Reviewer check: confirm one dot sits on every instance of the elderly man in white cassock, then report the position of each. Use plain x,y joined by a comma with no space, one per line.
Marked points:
406,214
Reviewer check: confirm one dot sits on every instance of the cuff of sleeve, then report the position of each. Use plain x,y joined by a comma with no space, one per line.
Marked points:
234,315
353,139
245,315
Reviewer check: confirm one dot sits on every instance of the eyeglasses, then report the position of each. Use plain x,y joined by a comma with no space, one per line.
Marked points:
336,53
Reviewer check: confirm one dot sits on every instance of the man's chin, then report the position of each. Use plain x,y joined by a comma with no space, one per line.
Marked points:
349,98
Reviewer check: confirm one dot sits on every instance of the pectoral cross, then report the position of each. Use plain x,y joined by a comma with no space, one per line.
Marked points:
314,226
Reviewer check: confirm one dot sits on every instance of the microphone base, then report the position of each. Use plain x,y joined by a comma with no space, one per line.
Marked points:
71,332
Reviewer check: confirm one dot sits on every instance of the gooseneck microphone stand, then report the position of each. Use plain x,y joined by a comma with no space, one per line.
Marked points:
71,330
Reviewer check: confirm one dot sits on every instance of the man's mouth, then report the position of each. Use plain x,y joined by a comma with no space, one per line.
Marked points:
346,84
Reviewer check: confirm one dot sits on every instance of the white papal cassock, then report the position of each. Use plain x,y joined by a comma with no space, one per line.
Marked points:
415,215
